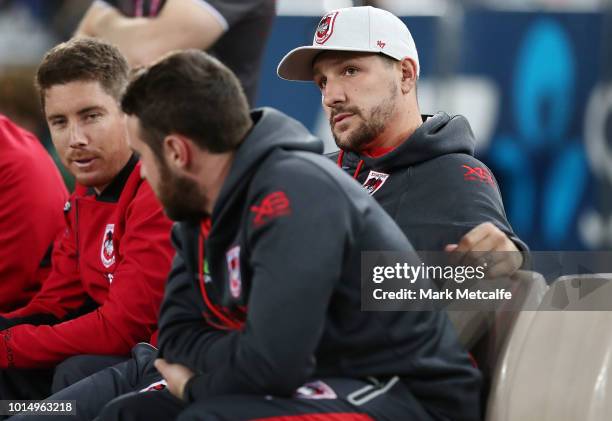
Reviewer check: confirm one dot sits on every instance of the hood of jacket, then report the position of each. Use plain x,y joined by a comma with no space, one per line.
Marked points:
271,130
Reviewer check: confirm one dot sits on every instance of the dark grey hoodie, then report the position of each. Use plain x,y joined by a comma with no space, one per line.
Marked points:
280,303
435,189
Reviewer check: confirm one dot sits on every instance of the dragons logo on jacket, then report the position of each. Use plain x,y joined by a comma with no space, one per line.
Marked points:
107,252
233,269
315,390
374,181
325,29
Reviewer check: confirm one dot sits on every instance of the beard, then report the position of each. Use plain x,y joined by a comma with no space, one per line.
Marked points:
369,128
181,197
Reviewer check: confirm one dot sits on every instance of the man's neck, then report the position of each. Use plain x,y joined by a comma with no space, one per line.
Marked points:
100,189
212,176
394,135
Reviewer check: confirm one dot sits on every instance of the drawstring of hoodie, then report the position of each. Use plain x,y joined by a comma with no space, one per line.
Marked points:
359,165
228,323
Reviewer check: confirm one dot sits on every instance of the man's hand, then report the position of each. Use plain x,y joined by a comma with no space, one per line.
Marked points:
176,376
142,39
487,244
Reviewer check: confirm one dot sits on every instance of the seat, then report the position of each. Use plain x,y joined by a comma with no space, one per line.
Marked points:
485,332
556,363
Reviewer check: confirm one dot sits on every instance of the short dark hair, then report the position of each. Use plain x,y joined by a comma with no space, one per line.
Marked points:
192,94
83,59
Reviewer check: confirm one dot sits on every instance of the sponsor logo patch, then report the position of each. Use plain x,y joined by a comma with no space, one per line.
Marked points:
107,252
206,273
374,181
325,29
233,268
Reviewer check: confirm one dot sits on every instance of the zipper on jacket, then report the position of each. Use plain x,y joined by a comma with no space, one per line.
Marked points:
229,323
76,231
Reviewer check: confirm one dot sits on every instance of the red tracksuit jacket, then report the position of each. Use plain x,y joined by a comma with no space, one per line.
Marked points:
32,194
116,249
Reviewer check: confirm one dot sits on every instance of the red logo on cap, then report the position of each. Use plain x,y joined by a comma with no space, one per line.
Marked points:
325,28
381,44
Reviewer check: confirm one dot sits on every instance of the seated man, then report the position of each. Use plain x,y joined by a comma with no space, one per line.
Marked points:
32,196
115,251
261,316
420,168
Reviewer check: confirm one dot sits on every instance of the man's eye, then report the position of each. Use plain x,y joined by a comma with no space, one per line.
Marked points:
57,123
349,71
322,83
92,116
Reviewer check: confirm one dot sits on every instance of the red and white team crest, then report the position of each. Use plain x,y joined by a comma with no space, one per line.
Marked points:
107,252
316,390
233,269
155,387
375,181
325,29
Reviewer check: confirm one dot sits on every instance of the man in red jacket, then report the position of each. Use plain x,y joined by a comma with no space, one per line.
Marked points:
115,252
32,194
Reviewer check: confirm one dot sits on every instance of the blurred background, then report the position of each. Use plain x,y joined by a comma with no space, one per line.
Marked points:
533,77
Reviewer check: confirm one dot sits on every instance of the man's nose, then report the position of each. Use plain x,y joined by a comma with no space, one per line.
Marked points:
77,136
333,94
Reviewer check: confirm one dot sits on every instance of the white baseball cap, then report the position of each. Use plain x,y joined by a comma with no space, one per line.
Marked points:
362,29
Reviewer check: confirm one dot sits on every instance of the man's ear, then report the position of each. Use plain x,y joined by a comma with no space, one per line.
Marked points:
409,74
177,151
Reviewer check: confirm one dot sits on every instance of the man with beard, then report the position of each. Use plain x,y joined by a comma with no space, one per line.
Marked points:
110,264
420,168
262,312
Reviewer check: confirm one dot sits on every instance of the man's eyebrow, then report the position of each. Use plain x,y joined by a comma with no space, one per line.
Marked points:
89,109
54,116
80,112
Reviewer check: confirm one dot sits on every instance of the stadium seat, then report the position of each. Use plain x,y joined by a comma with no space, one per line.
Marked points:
485,332
580,292
556,363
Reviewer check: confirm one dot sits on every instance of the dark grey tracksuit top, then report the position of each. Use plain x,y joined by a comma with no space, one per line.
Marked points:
436,191
280,304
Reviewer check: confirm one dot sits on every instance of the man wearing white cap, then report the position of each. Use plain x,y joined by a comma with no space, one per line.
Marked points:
421,169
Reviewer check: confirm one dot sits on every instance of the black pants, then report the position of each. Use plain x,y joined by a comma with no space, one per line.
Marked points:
25,384
329,399
79,367
92,393
123,392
